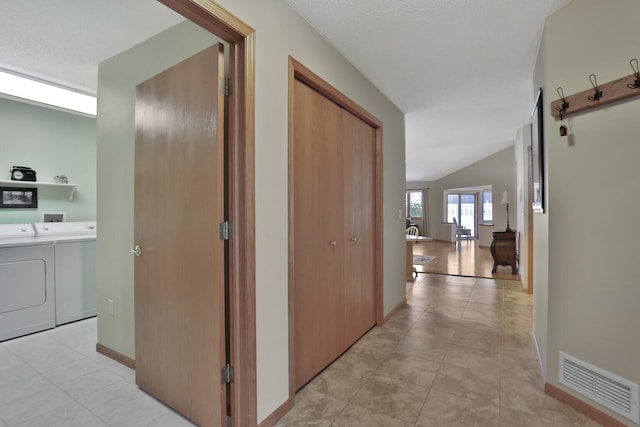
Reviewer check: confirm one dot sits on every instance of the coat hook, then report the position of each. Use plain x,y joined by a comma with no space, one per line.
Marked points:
598,93
565,104
636,71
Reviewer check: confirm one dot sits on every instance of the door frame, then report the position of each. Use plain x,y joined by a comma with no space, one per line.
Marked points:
241,38
297,71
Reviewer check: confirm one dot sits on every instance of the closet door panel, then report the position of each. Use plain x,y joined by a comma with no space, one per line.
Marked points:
359,198
318,233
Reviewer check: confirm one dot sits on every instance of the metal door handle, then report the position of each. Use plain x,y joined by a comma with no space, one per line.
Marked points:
354,239
333,243
137,251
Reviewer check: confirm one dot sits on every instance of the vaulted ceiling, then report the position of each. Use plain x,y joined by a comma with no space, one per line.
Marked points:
460,70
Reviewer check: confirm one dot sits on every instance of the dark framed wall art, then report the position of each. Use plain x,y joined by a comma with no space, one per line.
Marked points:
21,198
537,156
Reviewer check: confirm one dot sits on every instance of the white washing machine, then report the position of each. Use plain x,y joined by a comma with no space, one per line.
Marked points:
75,268
27,288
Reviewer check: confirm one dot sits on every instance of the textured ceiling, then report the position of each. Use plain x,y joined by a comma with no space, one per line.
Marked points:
63,41
461,70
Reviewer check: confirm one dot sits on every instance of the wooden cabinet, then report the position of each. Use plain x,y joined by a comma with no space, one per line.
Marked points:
333,161
503,250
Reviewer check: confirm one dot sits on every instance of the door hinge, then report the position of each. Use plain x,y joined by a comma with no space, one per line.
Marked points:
227,87
225,230
226,374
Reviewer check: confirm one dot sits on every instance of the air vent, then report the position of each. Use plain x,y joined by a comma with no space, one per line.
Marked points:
609,390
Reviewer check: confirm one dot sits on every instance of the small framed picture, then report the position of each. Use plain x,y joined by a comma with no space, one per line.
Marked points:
16,197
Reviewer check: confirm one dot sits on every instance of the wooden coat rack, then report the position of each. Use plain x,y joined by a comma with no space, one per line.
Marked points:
613,91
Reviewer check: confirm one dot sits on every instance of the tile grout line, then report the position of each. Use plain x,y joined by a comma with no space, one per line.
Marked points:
57,387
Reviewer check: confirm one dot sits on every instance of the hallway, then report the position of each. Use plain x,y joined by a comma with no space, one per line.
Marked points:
459,353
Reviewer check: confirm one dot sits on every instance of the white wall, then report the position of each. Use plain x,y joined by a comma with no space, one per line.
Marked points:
485,235
52,142
521,203
280,32
541,287
428,201
593,291
541,226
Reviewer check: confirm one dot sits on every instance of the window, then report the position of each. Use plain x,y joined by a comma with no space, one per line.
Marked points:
462,207
414,204
487,207
452,207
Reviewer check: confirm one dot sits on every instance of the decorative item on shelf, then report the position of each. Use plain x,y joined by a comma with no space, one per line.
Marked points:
564,130
505,201
60,179
22,173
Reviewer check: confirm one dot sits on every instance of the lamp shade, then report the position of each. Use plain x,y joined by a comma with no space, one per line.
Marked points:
505,197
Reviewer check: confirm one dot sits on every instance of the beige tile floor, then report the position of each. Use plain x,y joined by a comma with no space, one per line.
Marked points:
460,353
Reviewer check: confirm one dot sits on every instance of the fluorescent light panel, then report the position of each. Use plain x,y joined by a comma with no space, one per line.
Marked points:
44,93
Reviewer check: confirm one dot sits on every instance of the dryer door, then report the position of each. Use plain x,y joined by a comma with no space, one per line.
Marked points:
27,297
22,284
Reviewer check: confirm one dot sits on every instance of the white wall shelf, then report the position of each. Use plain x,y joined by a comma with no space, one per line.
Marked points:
12,183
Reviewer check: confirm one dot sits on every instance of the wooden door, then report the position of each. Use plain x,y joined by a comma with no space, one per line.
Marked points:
359,226
179,293
318,222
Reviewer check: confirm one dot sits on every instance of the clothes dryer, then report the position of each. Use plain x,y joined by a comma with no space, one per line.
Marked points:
75,267
27,292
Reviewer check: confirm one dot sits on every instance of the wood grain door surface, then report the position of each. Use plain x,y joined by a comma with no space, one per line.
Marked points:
359,220
179,293
334,287
318,219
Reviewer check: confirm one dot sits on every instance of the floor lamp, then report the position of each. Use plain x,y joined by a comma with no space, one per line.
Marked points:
505,201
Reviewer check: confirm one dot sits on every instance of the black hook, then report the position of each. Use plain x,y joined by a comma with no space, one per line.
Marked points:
636,71
598,93
565,104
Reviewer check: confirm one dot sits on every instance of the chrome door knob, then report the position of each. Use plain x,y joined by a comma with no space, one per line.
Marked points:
333,243
354,239
137,251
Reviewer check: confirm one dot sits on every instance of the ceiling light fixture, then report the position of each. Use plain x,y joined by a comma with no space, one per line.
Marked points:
17,86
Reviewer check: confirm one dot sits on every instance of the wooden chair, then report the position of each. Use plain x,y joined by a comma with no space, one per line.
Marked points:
412,231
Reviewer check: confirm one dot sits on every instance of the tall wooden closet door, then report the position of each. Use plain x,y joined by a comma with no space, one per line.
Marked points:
359,226
318,222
